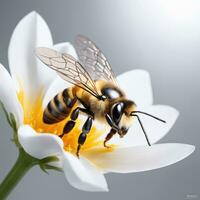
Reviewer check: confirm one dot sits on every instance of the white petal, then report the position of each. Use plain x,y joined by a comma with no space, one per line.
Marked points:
28,72
137,85
155,129
39,145
66,47
141,158
82,175
58,85
8,95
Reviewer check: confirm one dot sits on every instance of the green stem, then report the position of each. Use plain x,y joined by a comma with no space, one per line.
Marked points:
20,168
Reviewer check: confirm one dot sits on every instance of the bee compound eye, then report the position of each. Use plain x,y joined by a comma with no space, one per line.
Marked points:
117,112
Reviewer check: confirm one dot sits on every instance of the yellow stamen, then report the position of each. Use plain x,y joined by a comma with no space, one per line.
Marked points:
33,114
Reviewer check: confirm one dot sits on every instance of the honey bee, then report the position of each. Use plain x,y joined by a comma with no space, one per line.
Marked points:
95,90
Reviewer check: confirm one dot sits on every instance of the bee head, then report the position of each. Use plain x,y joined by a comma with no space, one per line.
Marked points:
121,115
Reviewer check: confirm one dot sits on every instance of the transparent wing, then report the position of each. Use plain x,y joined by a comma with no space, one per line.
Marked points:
93,59
68,68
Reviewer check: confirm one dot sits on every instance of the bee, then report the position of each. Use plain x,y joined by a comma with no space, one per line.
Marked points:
95,91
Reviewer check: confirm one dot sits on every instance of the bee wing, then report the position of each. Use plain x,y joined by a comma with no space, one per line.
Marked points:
93,59
68,68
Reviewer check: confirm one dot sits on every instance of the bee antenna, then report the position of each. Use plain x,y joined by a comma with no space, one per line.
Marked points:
141,125
140,112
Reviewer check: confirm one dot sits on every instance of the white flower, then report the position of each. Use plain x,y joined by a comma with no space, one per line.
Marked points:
24,93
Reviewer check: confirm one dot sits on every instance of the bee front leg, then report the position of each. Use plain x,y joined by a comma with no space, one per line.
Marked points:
83,136
109,136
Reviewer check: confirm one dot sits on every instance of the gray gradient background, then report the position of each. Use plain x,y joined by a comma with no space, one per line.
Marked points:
162,37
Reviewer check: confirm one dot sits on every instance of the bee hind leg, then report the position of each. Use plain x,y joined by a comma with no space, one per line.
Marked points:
71,123
83,136
108,137
73,117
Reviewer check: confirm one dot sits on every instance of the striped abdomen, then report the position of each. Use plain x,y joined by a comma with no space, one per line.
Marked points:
59,107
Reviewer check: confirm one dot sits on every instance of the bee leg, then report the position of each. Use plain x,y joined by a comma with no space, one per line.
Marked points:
109,136
83,136
74,115
111,123
71,123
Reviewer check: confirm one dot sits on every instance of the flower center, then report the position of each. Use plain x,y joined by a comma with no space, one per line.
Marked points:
33,114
